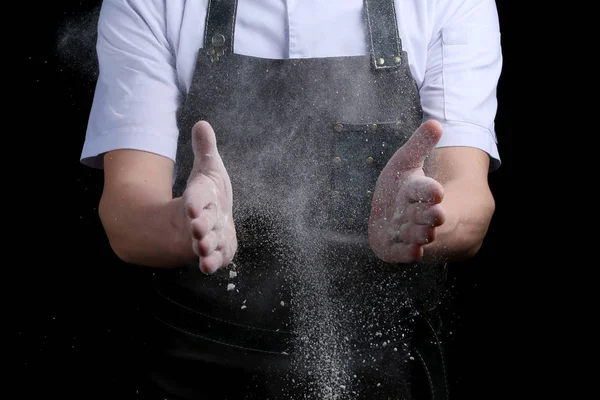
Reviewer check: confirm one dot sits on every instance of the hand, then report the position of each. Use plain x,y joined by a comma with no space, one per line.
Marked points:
406,205
208,203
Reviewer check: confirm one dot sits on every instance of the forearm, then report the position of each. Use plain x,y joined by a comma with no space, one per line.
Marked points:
146,227
467,202
468,211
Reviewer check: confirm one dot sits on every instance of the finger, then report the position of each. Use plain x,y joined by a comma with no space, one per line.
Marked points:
422,189
433,216
212,263
203,225
415,234
207,245
421,214
413,153
204,144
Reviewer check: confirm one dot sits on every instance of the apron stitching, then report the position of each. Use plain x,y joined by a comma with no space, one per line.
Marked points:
439,348
370,32
207,25
233,24
398,47
216,341
429,379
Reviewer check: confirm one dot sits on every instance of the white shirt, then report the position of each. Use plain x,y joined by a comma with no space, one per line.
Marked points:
147,51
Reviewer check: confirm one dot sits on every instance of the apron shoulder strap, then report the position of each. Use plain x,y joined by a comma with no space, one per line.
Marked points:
219,28
384,39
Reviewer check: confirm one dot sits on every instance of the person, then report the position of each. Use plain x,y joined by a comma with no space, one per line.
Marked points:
296,176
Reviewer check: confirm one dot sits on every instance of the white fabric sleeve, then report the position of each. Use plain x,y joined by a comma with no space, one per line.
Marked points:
464,63
136,96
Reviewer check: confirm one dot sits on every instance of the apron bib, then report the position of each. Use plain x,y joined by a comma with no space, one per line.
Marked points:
313,312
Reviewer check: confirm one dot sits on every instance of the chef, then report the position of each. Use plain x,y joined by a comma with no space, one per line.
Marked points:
296,175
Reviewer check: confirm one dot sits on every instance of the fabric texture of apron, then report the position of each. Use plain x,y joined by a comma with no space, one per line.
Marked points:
313,314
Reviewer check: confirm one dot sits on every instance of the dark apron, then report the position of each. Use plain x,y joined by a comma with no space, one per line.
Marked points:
313,314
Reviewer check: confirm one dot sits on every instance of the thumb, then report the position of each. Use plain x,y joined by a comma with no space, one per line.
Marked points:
413,153
204,144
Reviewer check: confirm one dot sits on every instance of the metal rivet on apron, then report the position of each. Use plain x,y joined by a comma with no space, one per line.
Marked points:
338,127
380,61
397,59
218,40
337,160
373,127
369,193
370,160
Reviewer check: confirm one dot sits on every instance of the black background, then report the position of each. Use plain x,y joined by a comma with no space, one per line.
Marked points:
78,329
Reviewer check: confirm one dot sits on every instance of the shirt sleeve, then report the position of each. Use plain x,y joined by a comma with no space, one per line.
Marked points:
464,62
136,96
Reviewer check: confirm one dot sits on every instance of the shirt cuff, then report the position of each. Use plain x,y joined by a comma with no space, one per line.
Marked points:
95,146
458,133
